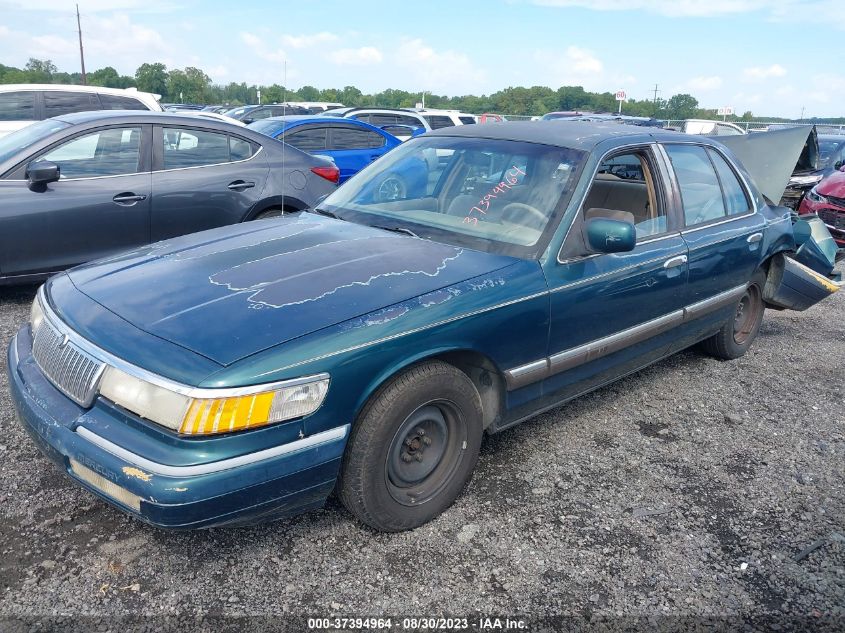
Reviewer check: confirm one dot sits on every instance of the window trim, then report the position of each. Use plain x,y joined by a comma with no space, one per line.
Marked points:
158,147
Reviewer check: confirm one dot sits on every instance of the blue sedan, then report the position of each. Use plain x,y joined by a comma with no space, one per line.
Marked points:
244,373
351,144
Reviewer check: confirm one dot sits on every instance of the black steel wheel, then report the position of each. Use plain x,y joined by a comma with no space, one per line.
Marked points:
413,448
739,331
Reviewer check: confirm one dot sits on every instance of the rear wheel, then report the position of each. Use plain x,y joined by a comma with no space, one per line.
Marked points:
413,448
739,331
270,213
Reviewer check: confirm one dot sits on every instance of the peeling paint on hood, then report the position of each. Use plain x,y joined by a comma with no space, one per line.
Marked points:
235,291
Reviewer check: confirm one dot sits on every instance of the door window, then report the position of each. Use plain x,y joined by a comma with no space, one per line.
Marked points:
193,148
624,188
312,139
17,106
437,122
700,190
114,102
240,149
350,138
57,103
736,201
110,152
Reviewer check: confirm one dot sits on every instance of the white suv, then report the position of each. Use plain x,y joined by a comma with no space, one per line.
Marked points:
22,104
437,119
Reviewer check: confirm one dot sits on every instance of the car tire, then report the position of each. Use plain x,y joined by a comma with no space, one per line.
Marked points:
738,332
393,476
270,213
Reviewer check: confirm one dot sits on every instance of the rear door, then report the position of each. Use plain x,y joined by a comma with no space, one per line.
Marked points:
101,204
202,179
722,229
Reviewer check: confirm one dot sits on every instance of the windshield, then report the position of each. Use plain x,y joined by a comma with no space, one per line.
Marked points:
491,195
234,112
17,141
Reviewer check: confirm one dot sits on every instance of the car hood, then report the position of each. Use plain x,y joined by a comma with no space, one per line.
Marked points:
231,292
833,185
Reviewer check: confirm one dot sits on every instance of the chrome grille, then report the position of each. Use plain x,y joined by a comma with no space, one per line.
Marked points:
71,370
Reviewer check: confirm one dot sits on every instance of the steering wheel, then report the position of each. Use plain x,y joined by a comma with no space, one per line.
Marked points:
390,189
517,208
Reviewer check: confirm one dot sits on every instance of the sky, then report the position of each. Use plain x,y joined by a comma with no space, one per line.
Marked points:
773,57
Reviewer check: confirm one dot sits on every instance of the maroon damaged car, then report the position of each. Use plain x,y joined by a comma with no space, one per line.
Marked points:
827,199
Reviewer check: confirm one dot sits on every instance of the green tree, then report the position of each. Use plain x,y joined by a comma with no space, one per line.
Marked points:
39,71
682,106
152,78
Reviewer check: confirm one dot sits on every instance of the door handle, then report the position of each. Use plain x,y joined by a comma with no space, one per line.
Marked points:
754,238
240,185
674,262
128,198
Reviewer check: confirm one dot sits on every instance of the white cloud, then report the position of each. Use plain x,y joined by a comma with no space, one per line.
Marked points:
306,41
363,56
759,72
583,61
262,50
704,84
674,8
88,7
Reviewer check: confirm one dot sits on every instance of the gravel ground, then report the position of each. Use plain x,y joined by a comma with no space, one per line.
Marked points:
692,489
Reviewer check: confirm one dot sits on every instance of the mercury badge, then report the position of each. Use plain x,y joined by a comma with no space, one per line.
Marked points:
64,342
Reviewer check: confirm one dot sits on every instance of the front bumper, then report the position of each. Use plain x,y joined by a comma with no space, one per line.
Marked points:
832,215
130,468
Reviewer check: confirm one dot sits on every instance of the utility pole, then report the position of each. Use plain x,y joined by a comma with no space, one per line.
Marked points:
81,54
655,97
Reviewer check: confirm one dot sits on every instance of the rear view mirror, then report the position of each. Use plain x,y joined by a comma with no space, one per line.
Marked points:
604,235
41,173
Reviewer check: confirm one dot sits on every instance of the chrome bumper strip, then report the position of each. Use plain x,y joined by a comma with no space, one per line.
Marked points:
213,467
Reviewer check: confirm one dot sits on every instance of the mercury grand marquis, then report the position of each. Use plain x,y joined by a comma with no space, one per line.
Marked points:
245,373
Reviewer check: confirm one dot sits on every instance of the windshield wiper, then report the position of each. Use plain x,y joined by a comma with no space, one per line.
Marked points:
396,229
328,214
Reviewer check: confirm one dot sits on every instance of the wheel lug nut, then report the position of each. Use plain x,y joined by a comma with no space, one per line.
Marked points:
409,441
419,457
406,457
427,441
420,431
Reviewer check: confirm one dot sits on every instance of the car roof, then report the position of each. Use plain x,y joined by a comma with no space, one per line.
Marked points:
584,135
316,118
71,88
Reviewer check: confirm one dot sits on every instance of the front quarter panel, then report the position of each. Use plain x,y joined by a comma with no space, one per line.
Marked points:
502,316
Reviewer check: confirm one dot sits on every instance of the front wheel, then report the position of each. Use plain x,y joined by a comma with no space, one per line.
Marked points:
413,448
739,331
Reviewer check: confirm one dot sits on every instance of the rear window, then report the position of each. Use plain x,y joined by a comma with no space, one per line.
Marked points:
59,102
437,122
17,106
113,102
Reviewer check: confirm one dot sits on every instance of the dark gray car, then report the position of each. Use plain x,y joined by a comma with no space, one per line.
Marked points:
87,185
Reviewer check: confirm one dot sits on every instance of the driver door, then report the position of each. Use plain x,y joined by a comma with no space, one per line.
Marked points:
613,313
100,205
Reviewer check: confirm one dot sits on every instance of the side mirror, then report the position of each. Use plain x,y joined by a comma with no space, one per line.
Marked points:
604,235
838,165
42,172
247,121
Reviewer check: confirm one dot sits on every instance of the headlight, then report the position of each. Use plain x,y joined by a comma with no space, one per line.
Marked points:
202,412
36,313
815,196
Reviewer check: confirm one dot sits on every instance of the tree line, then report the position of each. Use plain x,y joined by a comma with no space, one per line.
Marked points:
192,85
